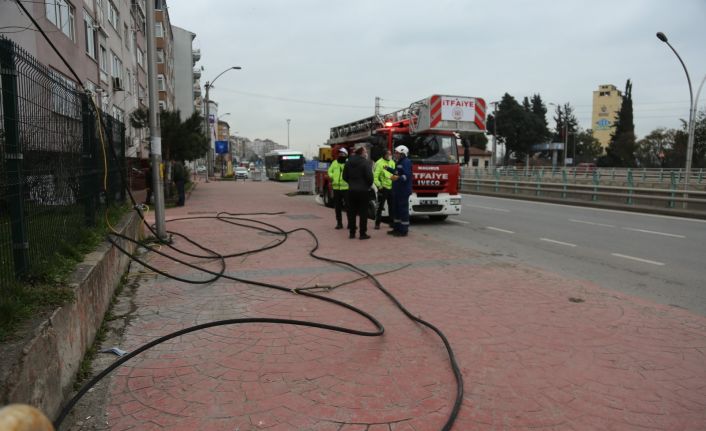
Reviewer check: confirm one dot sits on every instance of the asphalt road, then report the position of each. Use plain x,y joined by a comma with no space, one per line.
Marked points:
659,258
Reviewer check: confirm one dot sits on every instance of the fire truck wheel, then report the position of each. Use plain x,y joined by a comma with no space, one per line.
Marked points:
439,217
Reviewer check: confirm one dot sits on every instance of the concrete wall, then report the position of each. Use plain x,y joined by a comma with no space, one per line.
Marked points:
44,367
183,71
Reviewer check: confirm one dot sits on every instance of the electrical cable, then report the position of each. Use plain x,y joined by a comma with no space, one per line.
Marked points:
229,217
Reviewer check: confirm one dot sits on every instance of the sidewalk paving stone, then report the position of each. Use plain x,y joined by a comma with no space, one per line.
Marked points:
530,357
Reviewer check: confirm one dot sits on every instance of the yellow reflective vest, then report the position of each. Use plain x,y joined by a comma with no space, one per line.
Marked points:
335,172
381,176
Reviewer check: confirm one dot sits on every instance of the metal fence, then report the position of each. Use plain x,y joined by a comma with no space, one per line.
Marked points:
51,163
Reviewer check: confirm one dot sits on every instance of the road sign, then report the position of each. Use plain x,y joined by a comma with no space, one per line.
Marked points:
221,147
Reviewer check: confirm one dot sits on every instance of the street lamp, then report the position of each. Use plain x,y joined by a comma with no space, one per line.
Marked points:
692,109
566,134
207,127
288,120
493,158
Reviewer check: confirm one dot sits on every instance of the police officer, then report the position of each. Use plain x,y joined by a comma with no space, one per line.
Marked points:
339,186
401,190
383,182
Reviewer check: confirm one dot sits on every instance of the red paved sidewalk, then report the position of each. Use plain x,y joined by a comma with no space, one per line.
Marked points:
531,358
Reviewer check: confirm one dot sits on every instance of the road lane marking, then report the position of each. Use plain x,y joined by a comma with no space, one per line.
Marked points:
630,213
498,229
625,256
503,210
655,232
553,241
459,221
591,223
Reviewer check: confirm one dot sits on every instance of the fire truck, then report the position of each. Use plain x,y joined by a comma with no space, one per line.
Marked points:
429,128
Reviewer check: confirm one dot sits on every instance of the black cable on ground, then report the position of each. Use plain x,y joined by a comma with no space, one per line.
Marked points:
221,274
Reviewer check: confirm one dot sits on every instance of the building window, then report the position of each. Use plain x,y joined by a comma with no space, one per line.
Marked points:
114,16
118,114
90,31
117,69
64,102
158,30
61,14
103,63
160,56
160,82
162,105
158,4
474,162
486,163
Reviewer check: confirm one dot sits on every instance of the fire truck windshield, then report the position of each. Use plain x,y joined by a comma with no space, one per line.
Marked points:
429,149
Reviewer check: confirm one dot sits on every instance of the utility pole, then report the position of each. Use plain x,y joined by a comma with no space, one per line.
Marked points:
377,106
207,128
493,161
155,134
288,120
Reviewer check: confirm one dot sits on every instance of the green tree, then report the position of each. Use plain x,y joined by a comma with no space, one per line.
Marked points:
511,123
181,140
698,160
652,149
565,122
587,148
622,146
540,110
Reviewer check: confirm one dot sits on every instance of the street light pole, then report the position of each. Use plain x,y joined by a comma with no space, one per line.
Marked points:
493,159
207,124
288,120
692,113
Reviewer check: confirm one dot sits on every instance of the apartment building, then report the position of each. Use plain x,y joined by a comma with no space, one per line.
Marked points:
164,43
607,101
187,77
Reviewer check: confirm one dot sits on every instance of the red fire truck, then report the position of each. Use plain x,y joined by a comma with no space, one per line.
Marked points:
428,128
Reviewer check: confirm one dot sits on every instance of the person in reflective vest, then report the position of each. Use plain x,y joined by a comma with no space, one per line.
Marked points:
383,182
401,190
339,186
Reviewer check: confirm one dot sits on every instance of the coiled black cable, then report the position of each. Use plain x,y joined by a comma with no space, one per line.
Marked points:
221,274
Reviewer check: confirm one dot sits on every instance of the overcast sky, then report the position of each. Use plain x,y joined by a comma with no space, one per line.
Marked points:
322,62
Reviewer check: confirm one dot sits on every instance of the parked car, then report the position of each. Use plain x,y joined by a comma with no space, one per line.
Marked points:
241,173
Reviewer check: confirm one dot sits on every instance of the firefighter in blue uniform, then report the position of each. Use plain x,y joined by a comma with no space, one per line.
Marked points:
401,190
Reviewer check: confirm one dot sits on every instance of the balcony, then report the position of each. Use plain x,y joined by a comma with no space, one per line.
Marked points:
197,91
196,55
197,73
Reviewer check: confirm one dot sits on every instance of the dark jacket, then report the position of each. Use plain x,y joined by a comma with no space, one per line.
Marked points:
403,184
358,173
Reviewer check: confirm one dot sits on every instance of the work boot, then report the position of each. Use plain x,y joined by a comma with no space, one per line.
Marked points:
391,232
351,235
397,233
364,236
339,226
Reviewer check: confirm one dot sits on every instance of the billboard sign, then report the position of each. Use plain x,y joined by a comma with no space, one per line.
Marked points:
221,147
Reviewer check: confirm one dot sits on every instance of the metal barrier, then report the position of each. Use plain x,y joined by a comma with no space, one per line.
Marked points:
592,194
257,175
306,184
51,163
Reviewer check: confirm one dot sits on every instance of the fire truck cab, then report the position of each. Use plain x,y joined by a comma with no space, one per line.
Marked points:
428,128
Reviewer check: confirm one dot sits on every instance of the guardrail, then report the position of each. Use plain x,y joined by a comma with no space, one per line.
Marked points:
578,174
564,189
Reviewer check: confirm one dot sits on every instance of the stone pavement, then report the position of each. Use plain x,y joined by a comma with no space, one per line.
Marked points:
537,351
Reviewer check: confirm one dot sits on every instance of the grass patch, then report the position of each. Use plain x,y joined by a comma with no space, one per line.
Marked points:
45,286
85,370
